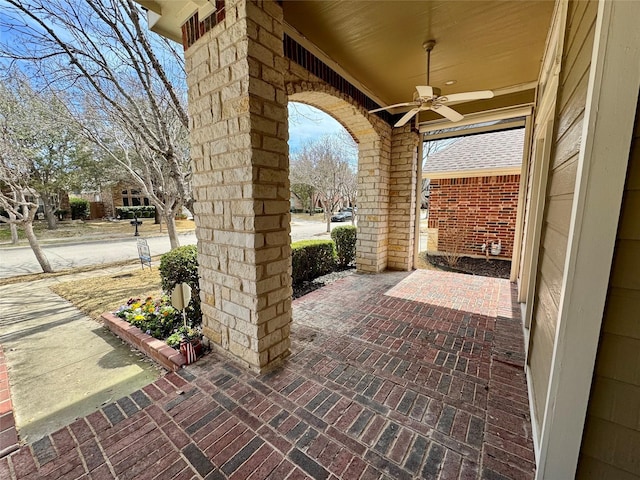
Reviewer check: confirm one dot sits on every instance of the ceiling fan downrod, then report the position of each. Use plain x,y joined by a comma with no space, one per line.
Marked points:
428,46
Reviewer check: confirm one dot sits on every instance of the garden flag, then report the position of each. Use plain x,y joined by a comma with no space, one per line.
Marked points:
186,348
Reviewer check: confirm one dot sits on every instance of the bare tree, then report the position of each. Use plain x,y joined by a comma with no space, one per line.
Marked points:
147,169
123,75
429,147
324,166
350,191
306,194
18,201
46,135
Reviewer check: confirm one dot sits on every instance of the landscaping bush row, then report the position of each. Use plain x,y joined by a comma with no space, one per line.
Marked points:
310,259
141,211
313,258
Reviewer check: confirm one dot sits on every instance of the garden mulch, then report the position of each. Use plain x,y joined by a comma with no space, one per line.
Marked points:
493,267
392,376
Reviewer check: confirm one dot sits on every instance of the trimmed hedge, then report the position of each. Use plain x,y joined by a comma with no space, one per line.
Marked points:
142,211
311,259
79,208
345,240
178,266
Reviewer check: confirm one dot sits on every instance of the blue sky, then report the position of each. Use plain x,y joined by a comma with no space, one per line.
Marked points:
307,123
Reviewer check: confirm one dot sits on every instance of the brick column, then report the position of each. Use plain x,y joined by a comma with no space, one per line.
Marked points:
238,110
402,198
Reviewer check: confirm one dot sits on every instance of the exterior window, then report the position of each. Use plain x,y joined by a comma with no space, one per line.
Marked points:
133,198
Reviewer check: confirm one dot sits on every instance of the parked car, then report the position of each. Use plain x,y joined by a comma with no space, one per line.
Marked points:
342,217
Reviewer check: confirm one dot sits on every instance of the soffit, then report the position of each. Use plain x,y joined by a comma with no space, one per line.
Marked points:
481,44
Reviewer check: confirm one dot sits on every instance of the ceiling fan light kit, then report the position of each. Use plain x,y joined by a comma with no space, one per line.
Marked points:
430,98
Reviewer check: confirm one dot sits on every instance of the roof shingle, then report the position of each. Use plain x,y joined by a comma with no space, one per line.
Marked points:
486,151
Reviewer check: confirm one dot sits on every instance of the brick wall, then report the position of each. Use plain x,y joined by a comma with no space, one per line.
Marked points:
467,211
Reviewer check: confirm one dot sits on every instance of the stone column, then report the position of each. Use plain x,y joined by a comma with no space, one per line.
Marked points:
402,198
373,204
238,110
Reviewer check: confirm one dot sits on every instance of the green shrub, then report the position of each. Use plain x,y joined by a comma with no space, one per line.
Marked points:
178,266
79,208
311,259
141,211
345,240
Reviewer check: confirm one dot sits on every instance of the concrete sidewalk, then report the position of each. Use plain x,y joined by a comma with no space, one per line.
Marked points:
62,365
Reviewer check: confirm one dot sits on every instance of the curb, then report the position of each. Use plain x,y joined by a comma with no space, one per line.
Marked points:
155,349
8,433
79,241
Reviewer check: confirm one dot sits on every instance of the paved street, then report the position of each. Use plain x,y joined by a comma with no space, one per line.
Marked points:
16,261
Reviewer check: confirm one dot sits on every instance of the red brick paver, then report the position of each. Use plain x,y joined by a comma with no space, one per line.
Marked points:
394,376
8,434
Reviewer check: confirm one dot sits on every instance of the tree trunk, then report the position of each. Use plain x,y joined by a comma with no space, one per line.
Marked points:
49,215
14,229
37,250
171,229
14,233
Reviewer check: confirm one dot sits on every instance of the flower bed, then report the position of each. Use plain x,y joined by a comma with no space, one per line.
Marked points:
153,327
157,350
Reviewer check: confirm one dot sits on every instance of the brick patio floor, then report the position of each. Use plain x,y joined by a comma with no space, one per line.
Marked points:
397,375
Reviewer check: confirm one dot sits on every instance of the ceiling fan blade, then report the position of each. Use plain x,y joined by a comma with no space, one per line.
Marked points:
466,96
407,116
447,112
405,104
425,91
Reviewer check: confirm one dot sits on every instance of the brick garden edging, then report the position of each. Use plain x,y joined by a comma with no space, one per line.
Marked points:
156,349
8,433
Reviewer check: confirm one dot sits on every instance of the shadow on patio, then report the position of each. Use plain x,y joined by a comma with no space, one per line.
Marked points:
397,375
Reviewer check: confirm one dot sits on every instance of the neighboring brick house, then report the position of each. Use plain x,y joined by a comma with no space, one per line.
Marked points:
128,195
473,197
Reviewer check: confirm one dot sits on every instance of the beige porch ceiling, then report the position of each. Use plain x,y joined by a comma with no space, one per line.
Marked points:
495,45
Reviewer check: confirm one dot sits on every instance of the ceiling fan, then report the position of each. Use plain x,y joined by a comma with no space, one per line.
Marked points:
429,98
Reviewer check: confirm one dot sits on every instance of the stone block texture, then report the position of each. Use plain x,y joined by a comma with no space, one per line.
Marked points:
239,84
471,211
238,110
402,198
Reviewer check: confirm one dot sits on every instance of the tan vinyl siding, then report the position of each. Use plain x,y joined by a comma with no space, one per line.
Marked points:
611,440
559,198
